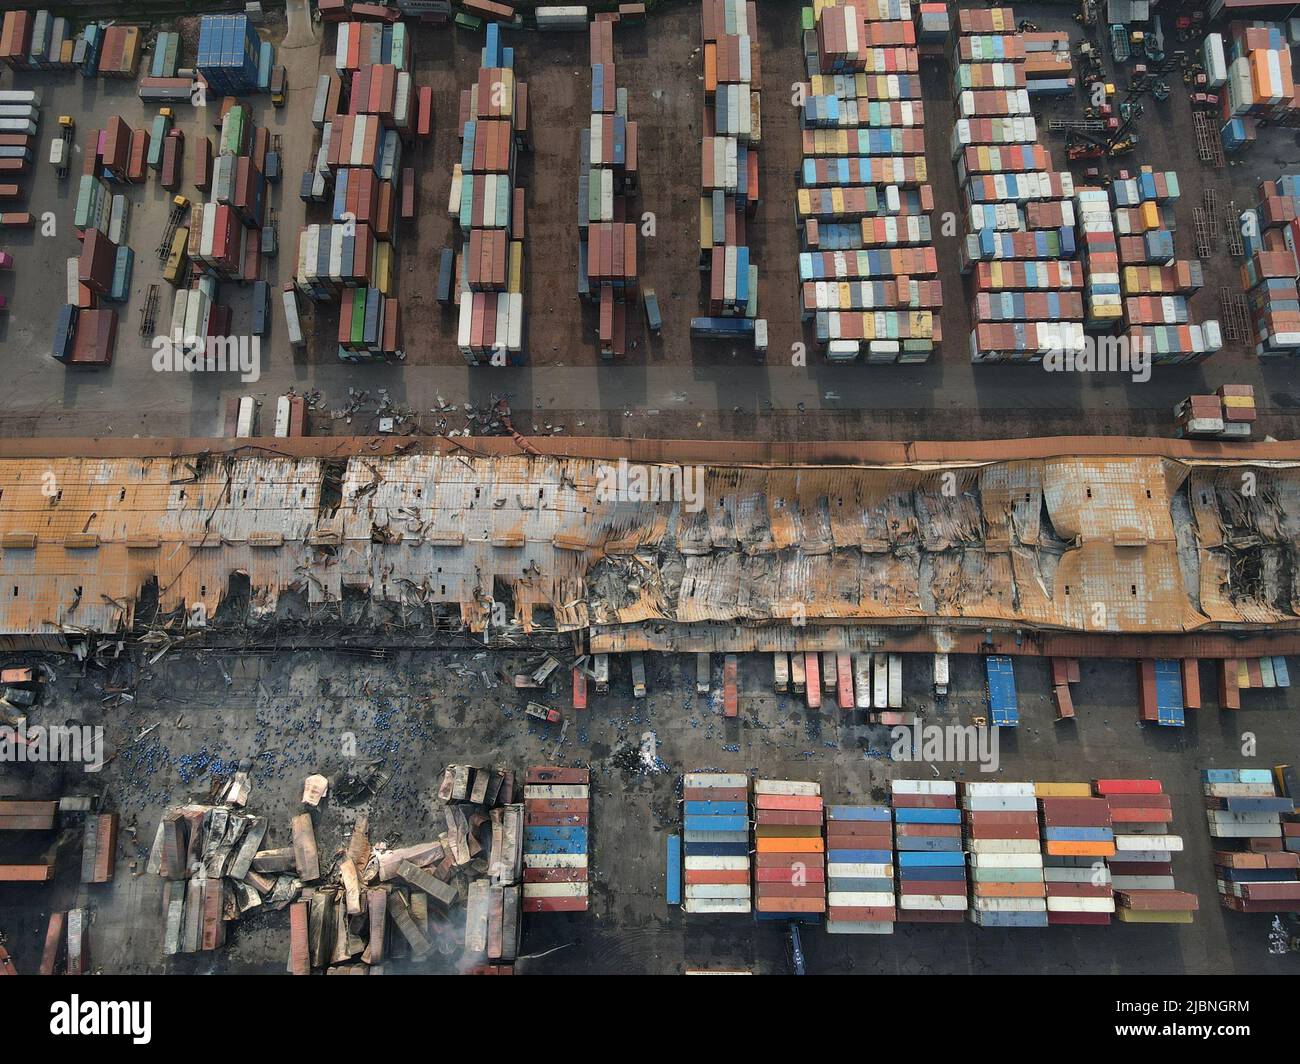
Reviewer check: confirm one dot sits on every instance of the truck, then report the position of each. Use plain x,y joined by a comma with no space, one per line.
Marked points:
780,672
543,713
177,257
61,147
652,319
293,325
941,674
279,86
702,672
600,672
638,675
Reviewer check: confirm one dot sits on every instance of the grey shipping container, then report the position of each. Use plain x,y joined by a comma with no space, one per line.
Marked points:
446,276
261,297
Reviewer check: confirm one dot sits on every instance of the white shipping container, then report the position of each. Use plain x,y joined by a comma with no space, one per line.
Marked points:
941,673
735,891
555,860
932,901
1009,860
716,864
1143,883
862,680
923,787
1240,790
895,681
281,417
1246,831
696,780
1169,843
715,905
861,899
556,890
788,788
859,871
999,790
555,790
292,323
1080,905
179,307
983,846
780,671
247,417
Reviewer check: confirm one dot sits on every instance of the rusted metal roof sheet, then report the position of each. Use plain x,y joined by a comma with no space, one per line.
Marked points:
1092,544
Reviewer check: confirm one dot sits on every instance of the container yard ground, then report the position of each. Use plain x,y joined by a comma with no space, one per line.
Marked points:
691,390
421,711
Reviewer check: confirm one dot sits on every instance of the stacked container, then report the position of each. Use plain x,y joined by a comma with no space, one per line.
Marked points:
860,870
716,851
366,43
1001,824
607,176
1142,871
790,871
1077,842
228,54
931,864
867,269
1020,230
484,200
557,807
729,171
1269,273
120,55
1256,861
1260,85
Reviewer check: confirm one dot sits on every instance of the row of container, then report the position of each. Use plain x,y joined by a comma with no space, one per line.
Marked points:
1021,238
860,896
370,326
50,46
789,851
715,843
1255,828
1271,268
607,177
863,187
334,256
361,44
488,210
557,812
932,885
729,165
1000,828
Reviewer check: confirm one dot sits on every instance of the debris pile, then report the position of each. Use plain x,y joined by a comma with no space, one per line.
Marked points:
340,908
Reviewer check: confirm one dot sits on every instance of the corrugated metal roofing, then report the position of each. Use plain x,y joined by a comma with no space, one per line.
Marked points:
1141,544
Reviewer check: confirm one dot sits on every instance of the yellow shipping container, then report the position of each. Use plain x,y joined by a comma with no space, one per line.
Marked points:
1062,790
1134,916
516,281
383,271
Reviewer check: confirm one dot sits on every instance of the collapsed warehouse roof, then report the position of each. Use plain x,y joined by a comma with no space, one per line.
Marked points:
1124,543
